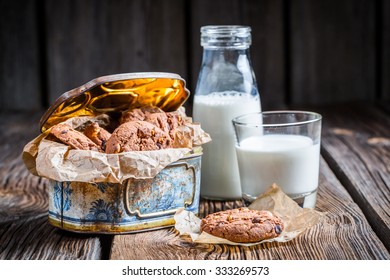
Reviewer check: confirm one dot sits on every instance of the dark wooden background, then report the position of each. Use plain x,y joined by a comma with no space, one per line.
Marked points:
304,52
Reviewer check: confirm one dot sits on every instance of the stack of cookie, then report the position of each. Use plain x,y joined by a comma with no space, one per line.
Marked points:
140,129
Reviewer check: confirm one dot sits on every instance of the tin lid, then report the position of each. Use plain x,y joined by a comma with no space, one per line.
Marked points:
117,93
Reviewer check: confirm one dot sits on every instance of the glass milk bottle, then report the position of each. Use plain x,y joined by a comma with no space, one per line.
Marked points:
226,88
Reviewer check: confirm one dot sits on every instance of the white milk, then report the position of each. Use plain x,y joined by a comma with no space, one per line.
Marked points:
219,176
290,161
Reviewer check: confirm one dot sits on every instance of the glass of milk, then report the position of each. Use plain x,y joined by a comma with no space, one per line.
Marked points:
281,147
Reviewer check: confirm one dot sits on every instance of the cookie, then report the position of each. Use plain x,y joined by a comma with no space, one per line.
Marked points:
243,225
69,136
139,114
97,134
174,121
167,122
137,136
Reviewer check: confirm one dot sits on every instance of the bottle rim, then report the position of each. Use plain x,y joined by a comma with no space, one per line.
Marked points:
226,30
226,36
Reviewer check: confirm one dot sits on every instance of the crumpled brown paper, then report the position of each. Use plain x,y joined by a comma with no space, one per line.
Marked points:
59,162
296,219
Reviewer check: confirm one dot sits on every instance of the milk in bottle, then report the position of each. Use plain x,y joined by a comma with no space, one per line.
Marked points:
226,88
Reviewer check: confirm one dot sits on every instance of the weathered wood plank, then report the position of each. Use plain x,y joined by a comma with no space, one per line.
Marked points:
267,50
24,229
333,53
17,187
21,194
88,39
19,56
385,106
343,234
356,143
385,48
202,13
356,137
33,238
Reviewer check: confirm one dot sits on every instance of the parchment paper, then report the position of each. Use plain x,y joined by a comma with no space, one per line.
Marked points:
296,219
59,162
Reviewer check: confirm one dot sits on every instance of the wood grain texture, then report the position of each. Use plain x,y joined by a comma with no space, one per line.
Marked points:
88,39
356,143
17,186
24,229
19,56
353,196
33,238
344,233
332,51
384,40
267,50
303,52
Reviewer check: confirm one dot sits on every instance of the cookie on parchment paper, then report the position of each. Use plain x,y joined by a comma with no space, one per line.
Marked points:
137,136
97,134
243,225
77,140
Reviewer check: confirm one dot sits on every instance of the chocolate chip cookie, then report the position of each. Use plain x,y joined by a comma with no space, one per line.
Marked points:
97,134
167,122
243,225
137,136
139,114
174,121
73,138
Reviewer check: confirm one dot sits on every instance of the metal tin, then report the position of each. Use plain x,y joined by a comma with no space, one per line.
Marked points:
116,93
137,204
134,206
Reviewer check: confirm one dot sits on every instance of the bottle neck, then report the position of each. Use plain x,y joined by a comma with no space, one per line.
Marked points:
225,70
222,56
226,66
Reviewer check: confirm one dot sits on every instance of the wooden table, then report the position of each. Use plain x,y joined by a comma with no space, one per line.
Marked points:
354,195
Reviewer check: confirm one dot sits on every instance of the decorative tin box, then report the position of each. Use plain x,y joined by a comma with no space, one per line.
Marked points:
136,204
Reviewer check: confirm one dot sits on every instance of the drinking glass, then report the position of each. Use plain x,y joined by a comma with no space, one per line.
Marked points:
281,147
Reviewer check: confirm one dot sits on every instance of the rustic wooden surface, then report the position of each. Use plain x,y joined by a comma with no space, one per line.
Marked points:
304,52
353,194
24,230
328,240
267,51
20,56
384,54
359,152
109,37
332,53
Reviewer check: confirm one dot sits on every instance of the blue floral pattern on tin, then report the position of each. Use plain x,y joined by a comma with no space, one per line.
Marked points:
62,193
102,211
103,186
168,190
